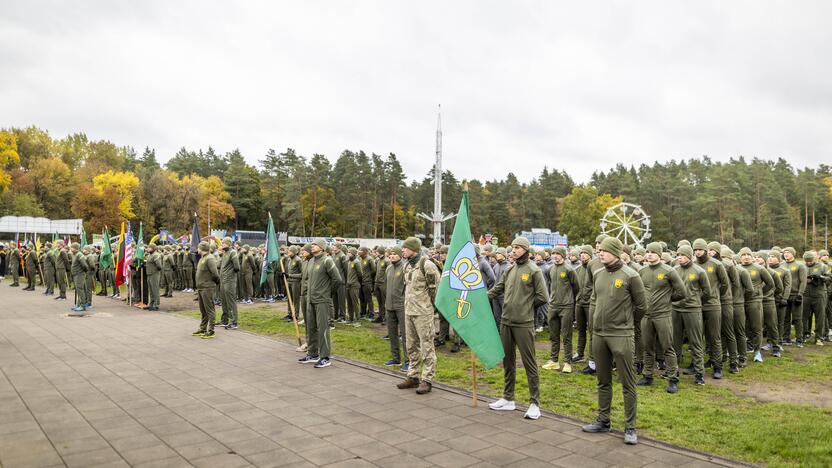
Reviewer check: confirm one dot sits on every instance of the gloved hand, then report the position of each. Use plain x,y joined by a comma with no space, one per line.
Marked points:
798,299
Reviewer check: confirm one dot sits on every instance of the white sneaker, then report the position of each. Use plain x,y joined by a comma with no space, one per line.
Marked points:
538,329
567,369
502,405
302,348
551,365
533,412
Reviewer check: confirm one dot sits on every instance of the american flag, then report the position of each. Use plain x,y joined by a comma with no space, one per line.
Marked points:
128,254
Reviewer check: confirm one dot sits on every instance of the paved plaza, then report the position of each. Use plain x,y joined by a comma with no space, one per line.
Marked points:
125,387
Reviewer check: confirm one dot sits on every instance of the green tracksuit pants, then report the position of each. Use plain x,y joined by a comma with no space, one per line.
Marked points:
317,322
619,350
560,330
521,338
659,330
689,324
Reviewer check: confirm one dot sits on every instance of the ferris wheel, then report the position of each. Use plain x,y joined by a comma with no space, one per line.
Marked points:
627,222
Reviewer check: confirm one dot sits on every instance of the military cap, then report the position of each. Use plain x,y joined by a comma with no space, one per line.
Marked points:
522,242
685,250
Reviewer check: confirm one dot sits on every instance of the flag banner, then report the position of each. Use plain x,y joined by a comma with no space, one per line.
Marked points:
272,253
120,258
462,297
106,259
128,254
140,247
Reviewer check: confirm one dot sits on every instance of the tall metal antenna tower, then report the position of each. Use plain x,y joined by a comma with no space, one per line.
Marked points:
437,218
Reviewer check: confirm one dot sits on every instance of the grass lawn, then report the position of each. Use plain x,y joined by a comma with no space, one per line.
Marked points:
727,418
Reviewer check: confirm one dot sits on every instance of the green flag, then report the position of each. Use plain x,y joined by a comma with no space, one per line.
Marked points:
106,259
83,237
140,247
462,297
272,254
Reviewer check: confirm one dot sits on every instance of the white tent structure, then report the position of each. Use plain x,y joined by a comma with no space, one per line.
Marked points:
30,225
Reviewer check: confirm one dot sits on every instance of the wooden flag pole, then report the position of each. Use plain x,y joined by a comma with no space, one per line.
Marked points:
291,302
473,378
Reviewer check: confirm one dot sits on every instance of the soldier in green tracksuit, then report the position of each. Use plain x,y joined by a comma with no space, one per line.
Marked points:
770,331
586,294
353,287
740,286
229,268
248,265
781,301
61,261
726,304
815,305
49,269
207,279
153,269
323,277
168,270
712,308
762,283
379,287
687,313
662,285
89,284
368,275
794,310
394,302
340,254
293,271
32,269
79,274
827,334
13,266
617,296
524,290
563,289
188,271
306,254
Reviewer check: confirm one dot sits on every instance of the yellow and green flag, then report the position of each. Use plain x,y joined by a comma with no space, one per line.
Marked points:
462,297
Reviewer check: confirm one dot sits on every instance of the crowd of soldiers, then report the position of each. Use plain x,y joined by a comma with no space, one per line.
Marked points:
633,308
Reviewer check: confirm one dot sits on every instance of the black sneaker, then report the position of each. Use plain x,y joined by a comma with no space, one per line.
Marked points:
207,335
232,326
718,373
733,369
661,365
639,368
776,353
308,359
597,426
645,381
630,437
689,370
455,348
588,371
672,387
699,380
323,362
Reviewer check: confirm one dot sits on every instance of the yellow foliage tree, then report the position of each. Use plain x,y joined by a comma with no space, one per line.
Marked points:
8,156
124,183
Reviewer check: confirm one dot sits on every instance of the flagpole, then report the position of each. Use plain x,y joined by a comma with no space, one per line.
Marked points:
473,378
288,294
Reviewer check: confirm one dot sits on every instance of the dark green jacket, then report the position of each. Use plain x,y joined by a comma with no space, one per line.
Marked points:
294,268
354,273
207,275
394,284
583,276
153,264
79,264
617,297
523,289
816,288
775,292
662,285
323,276
798,271
697,287
563,286
381,270
760,280
717,280
368,270
229,266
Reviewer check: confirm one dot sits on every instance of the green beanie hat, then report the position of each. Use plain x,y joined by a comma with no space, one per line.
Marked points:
293,249
521,242
203,246
612,245
809,255
666,257
700,244
745,251
823,253
642,251
443,249
600,238
655,247
587,249
559,250
307,247
715,246
320,242
726,252
395,250
791,250
685,250
502,251
682,242
412,243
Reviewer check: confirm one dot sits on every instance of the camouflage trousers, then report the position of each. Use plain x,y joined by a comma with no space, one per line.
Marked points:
419,331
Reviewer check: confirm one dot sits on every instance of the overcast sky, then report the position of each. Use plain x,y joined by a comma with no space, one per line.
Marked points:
578,86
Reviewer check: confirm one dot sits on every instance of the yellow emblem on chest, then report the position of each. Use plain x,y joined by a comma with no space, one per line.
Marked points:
398,273
710,269
794,268
317,267
524,277
753,272
563,274
691,276
660,276
779,273
618,283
